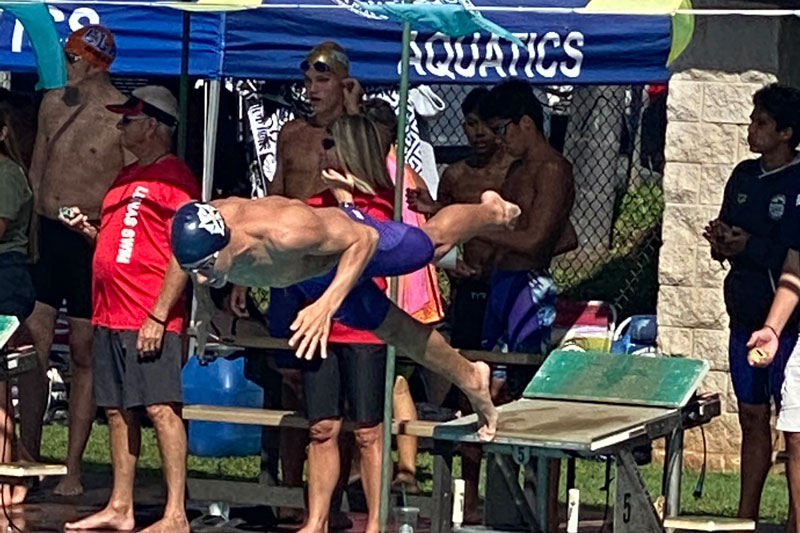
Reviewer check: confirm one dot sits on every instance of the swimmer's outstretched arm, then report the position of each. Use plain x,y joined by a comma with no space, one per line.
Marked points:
355,243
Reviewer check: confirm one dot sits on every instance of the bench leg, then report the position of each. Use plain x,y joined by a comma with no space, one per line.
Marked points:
442,512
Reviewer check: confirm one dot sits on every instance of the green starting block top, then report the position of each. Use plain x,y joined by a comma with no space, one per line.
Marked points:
617,378
8,325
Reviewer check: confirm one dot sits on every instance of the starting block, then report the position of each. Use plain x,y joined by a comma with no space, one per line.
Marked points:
593,404
13,364
20,360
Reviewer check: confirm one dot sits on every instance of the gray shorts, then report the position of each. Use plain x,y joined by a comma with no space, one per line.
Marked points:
123,379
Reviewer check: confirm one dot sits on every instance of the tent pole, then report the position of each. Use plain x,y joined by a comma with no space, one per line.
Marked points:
387,466
183,92
213,88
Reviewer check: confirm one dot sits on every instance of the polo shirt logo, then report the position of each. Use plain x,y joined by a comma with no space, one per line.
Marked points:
776,206
742,198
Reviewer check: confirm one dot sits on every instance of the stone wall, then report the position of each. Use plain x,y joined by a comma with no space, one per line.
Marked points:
709,102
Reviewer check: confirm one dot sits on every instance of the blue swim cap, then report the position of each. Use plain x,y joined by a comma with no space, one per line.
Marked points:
198,231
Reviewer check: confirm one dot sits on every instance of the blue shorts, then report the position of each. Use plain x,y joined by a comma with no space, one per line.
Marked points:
520,311
753,385
402,249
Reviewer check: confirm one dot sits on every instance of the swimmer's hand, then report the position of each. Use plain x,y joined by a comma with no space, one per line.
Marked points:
237,301
764,344
75,219
311,328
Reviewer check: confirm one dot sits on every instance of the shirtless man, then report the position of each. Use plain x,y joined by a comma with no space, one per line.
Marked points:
463,182
332,92
76,156
332,254
521,306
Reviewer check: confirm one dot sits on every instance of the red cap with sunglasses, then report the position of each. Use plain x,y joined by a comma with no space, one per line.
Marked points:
94,44
328,57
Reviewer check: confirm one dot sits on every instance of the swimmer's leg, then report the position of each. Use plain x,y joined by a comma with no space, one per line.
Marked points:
460,222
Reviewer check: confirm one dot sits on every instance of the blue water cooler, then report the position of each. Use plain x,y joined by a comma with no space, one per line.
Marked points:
221,382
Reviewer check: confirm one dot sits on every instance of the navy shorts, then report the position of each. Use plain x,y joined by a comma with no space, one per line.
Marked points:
754,385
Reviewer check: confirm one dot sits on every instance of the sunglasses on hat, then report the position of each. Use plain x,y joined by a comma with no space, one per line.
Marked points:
72,58
319,66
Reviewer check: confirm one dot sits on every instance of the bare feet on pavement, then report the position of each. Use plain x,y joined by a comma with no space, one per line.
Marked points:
169,525
108,518
69,485
481,400
507,212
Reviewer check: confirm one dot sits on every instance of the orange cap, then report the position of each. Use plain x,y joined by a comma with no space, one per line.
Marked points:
94,44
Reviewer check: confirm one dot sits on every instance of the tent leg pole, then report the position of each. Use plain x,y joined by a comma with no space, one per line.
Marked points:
387,466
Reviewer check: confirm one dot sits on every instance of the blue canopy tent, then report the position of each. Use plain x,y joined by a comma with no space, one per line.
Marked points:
270,41
556,44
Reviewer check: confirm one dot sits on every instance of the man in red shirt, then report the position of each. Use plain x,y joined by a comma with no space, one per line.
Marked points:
139,305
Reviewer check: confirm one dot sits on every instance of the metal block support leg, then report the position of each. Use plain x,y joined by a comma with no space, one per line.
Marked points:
633,511
442,510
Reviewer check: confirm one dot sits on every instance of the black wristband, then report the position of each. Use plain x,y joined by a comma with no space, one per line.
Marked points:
152,317
767,326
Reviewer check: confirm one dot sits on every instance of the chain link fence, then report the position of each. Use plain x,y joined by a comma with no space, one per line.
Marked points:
614,138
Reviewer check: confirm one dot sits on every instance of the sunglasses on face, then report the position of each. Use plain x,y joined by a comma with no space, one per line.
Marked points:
319,66
127,119
328,143
72,58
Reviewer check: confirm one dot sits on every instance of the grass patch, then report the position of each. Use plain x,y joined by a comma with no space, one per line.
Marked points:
720,494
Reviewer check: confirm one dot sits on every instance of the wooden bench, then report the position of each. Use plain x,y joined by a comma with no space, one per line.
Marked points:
709,523
266,491
287,419
9,472
231,333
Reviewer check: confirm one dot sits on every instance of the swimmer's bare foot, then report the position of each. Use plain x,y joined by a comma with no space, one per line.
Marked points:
177,524
481,400
69,485
507,212
108,518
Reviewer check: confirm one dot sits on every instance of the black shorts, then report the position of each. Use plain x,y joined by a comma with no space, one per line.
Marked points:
352,375
17,296
122,379
467,310
64,269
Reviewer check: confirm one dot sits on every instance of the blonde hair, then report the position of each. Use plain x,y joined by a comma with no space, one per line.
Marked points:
362,151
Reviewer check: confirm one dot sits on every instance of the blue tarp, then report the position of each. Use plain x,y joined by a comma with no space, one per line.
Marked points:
271,43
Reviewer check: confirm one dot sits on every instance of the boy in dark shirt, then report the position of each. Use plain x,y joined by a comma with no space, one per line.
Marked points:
751,233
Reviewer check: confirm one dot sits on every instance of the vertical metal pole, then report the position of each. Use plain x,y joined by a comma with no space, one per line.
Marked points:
183,93
386,470
674,466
